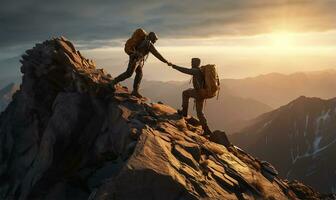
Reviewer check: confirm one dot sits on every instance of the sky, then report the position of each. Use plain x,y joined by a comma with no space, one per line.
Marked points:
242,37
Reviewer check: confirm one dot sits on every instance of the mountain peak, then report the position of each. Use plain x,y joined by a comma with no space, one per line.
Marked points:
303,100
305,104
66,135
304,130
63,67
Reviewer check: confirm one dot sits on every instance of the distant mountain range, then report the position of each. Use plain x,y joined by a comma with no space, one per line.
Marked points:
10,71
299,139
9,80
6,95
278,89
9,67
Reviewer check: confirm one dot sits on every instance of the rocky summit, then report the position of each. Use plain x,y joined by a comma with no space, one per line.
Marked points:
67,135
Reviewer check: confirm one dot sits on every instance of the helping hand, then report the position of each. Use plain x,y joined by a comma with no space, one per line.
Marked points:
169,64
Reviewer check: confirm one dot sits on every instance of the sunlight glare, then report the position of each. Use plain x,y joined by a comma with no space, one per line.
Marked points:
282,40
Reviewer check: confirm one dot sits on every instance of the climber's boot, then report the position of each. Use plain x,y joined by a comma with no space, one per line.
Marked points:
206,130
182,113
136,94
112,85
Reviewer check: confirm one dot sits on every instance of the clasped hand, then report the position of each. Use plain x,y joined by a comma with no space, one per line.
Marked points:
170,64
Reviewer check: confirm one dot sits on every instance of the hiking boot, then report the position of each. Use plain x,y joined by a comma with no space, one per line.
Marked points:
112,85
179,113
136,94
206,132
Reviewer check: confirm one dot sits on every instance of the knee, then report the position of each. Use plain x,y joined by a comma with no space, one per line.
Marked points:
185,96
128,73
138,72
185,93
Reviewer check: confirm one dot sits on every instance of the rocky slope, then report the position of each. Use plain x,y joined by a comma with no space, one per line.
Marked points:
65,135
299,139
6,94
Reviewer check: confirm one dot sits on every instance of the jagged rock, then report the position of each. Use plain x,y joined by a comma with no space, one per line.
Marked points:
305,192
266,166
65,135
220,138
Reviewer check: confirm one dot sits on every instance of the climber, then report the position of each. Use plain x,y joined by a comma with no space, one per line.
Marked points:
138,48
206,85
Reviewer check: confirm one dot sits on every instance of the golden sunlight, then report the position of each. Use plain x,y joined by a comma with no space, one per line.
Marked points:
282,40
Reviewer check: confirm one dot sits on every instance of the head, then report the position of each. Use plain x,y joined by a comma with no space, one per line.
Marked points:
152,37
195,62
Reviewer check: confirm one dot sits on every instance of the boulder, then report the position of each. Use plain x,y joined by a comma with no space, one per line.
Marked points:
220,138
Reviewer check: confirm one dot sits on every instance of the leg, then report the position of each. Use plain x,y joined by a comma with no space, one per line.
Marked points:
132,64
137,79
200,115
186,94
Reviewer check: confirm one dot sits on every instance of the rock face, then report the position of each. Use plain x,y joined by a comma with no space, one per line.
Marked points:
65,135
6,94
299,139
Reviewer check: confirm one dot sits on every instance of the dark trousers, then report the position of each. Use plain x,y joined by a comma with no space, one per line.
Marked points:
135,64
199,101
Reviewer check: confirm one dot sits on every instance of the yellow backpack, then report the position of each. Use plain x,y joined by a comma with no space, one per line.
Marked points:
211,85
137,37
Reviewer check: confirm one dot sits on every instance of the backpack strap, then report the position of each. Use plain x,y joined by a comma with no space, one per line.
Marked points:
218,82
194,106
205,102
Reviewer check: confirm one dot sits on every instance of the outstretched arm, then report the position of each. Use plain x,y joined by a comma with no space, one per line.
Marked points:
185,70
153,50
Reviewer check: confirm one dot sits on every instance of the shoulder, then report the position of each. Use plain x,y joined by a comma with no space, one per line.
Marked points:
145,43
150,44
200,71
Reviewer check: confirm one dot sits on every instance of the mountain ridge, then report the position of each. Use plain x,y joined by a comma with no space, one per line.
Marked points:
255,95
66,135
278,89
304,131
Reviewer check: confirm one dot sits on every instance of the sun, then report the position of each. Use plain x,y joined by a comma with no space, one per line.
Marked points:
282,40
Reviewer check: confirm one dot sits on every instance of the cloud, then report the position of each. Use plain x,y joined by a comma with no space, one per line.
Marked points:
27,22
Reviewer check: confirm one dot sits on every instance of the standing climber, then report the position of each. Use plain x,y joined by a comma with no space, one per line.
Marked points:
138,48
206,85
